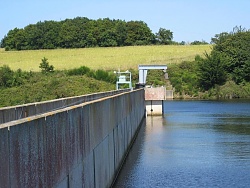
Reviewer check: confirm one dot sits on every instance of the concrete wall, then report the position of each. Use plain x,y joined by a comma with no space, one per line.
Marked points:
22,111
169,94
79,146
155,93
154,107
154,100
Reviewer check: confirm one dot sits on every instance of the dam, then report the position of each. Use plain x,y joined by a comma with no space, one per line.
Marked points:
72,142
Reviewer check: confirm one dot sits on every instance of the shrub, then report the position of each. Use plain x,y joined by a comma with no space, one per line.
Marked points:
101,75
211,70
184,77
45,66
7,48
6,76
79,71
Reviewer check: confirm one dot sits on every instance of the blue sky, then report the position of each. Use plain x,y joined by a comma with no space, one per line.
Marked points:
189,20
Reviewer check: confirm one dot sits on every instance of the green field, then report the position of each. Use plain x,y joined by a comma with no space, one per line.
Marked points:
102,58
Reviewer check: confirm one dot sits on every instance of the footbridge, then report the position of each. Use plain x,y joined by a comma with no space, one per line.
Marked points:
71,142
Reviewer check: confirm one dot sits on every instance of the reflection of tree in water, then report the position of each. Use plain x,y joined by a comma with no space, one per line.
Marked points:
236,125
233,147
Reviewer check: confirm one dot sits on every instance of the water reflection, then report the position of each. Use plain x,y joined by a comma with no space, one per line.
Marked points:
195,144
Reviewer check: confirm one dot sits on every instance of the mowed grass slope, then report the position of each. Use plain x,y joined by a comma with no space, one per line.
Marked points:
102,58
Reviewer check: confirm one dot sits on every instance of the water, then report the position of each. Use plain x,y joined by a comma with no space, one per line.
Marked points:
195,144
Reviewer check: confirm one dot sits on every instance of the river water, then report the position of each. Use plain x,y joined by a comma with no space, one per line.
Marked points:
195,144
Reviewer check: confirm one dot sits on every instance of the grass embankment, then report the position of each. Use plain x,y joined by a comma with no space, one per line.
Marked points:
41,87
122,58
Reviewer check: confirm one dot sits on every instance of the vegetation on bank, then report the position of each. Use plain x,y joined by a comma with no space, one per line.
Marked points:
224,73
185,80
20,87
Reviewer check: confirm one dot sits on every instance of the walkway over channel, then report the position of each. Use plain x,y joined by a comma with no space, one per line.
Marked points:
82,145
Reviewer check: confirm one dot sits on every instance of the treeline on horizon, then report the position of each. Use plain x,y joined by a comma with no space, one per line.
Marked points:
82,32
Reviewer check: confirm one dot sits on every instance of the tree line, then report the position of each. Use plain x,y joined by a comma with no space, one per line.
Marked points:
228,60
82,32
226,68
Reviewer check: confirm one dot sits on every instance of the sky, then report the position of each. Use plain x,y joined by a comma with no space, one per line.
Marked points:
189,20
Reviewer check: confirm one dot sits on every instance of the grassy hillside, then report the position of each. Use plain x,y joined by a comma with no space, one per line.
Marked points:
41,87
102,58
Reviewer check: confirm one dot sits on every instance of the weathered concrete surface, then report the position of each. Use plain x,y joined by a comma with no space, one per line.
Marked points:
154,100
78,146
154,107
4,158
22,111
155,93
169,94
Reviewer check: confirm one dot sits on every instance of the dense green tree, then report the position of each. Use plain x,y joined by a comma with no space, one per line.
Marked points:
138,33
2,43
164,36
184,78
211,70
235,47
6,75
12,39
36,35
219,38
108,38
51,32
20,42
121,32
196,42
10,78
68,35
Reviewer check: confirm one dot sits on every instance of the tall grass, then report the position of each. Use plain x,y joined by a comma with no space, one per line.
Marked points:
112,58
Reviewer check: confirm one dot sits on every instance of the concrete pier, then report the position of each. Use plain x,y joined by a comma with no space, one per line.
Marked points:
154,98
